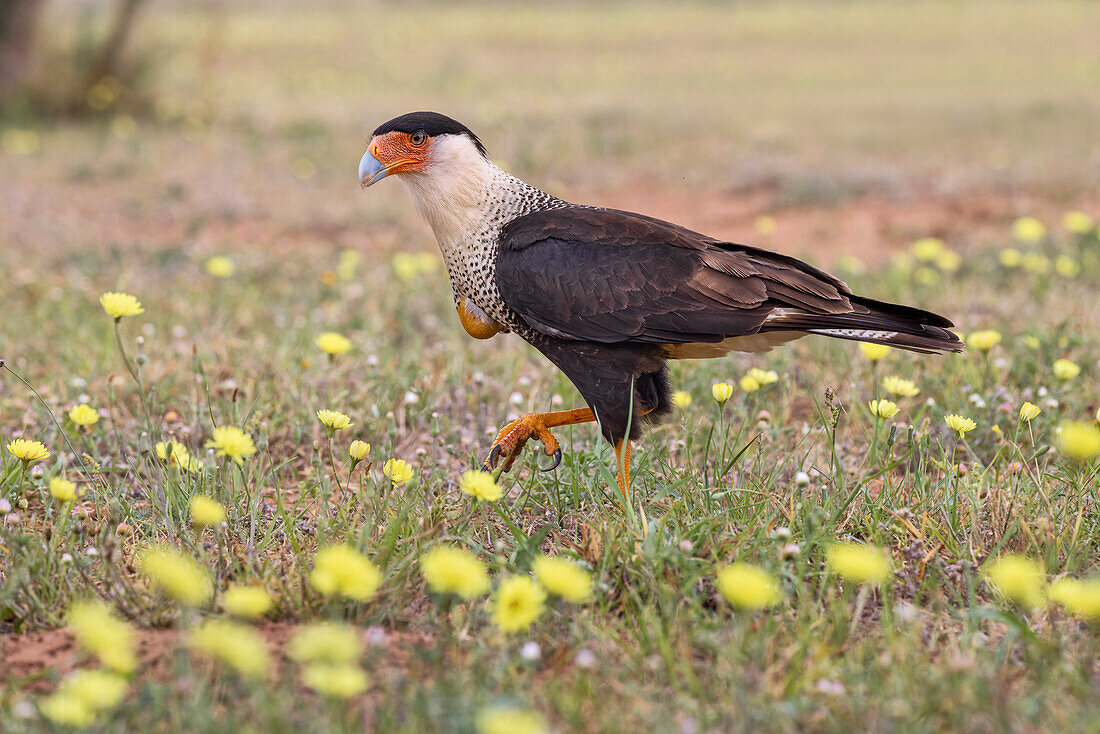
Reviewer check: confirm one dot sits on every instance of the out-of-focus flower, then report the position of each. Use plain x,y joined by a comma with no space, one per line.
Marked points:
763,377
984,340
325,642
103,634
563,578
883,408
342,570
99,690
480,484
1010,257
721,391
236,645
28,451
1066,266
959,424
1077,222
398,470
409,266
1081,598
874,352
84,415
900,386
1028,229
681,399
1078,440
927,249
859,563
206,512
246,602
66,710
177,575
118,305
1029,411
1031,341
63,490
1034,262
333,344
1018,578
765,225
454,571
335,681
232,442
1064,369
177,454
359,450
948,261
748,587
749,384
508,720
334,420
349,261
519,602
220,266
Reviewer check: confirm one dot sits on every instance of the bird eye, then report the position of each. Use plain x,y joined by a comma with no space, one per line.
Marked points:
418,138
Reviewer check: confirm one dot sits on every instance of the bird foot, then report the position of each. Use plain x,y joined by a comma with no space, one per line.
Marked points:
514,436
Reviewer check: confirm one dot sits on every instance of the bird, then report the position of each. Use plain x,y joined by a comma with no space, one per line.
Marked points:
609,297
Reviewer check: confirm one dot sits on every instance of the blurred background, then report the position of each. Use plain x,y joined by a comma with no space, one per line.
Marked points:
811,127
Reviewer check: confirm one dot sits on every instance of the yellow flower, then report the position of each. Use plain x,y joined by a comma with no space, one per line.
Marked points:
959,424
342,570
1018,578
1033,262
1065,369
28,451
118,305
1028,229
721,391
927,249
359,450
1079,597
1078,440
454,571
481,485
926,275
859,563
349,261
84,415
748,587
66,710
397,470
236,645
900,386
334,420
563,578
1077,222
518,603
1066,266
764,377
750,384
883,408
247,602
873,352
1029,411
99,690
1031,341
103,634
205,511
765,225
177,575
507,720
1010,257
409,266
63,490
232,442
984,340
335,681
220,266
177,454
681,399
333,343
948,261
326,642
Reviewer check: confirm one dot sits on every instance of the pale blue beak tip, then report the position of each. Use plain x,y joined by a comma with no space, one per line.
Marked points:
370,170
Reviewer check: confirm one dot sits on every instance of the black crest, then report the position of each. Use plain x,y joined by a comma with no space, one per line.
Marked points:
431,123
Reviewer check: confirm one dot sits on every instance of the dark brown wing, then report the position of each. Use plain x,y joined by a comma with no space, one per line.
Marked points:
609,276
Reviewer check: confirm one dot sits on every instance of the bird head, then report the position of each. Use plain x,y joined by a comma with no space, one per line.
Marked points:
417,143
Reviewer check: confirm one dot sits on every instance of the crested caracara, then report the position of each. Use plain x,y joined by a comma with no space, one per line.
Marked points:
610,296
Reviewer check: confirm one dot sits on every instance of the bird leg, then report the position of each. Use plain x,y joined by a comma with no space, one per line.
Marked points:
622,465
512,438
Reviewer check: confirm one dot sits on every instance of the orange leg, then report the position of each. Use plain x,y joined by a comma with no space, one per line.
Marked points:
622,464
512,438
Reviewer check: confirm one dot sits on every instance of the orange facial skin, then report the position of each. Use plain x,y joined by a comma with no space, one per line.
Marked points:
397,153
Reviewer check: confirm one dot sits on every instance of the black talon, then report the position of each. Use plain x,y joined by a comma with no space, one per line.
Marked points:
557,461
494,454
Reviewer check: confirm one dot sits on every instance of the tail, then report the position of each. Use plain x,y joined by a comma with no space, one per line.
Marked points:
873,321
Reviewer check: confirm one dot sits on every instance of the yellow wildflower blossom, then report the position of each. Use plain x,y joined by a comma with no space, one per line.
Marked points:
519,602
1081,598
84,415
118,305
1018,578
335,681
246,602
721,391
103,634
750,384
63,490
206,512
235,645
232,442
28,451
359,450
1034,262
927,249
1028,229
342,570
859,563
563,578
900,386
99,690
334,420
959,424
874,352
66,710
220,266
1010,257
1079,441
454,571
398,470
1077,222
177,575
325,642
1029,411
883,408
332,343
948,261
681,399
764,377
508,720
984,340
748,587
1066,266
1064,369
480,484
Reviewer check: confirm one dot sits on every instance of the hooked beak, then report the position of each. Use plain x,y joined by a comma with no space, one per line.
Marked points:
371,170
